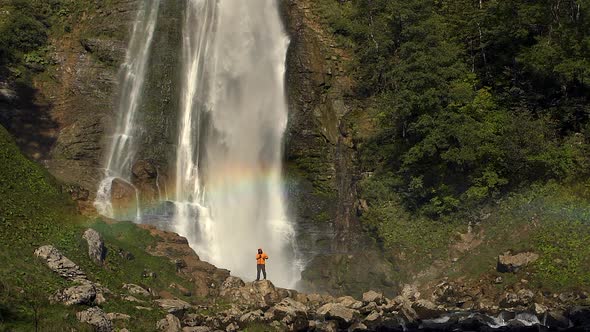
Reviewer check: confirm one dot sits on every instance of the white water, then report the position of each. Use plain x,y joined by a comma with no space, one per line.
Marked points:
229,195
122,149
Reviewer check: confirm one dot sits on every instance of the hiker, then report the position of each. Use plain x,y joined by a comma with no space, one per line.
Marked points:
261,258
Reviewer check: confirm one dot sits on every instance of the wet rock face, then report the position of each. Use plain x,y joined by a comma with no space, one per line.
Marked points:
319,162
123,198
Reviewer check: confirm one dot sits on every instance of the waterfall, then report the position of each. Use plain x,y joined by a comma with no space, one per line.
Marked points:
229,196
122,149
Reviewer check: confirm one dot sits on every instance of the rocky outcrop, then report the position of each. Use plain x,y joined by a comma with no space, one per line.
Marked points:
206,278
170,323
136,290
509,262
82,294
97,318
60,264
96,248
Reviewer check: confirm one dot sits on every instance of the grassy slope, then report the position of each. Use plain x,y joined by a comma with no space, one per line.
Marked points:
34,212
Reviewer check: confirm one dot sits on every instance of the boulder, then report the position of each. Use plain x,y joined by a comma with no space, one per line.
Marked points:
97,318
96,248
117,316
289,312
173,306
81,294
229,284
427,310
580,316
349,302
252,316
136,290
60,264
170,323
338,312
513,263
555,320
538,309
372,296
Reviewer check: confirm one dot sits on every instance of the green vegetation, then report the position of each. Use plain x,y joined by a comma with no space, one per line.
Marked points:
475,98
34,212
482,110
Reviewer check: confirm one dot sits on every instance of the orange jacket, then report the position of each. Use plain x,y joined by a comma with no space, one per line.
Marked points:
260,258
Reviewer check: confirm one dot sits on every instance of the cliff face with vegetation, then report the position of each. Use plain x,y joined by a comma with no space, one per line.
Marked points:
424,138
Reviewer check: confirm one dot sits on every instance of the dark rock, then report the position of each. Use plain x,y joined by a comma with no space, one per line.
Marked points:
513,263
97,318
580,315
96,248
555,319
106,50
426,309
144,169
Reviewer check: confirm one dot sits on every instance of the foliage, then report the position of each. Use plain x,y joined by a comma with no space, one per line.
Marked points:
475,98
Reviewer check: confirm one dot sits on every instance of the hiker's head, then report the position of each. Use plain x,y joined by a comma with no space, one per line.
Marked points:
260,250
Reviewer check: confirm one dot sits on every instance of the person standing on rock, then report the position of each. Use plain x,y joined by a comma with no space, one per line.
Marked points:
261,258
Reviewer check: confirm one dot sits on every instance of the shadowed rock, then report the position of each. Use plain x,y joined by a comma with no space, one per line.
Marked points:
96,248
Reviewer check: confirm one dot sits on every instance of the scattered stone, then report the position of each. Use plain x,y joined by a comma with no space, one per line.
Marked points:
126,254
136,290
143,308
81,294
170,323
96,248
336,311
289,312
100,299
252,316
196,329
538,309
60,264
372,296
132,299
173,305
513,263
498,280
117,316
349,302
232,327
96,317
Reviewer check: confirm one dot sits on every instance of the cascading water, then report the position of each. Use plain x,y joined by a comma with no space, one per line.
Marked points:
122,149
229,197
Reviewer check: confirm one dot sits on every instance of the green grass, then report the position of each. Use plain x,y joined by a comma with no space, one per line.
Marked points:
34,212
